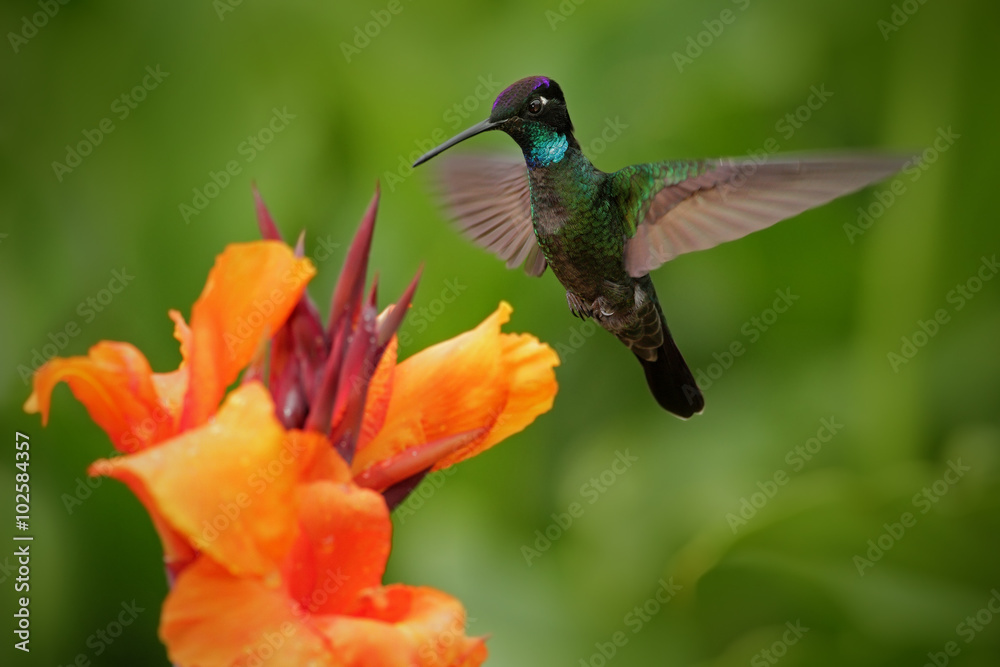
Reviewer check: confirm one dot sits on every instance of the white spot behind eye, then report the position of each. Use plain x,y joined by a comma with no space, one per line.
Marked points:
544,100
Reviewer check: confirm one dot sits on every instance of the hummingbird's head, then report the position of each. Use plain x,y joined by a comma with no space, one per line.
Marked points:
533,112
534,99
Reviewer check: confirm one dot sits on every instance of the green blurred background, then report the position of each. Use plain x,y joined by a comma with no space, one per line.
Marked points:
352,117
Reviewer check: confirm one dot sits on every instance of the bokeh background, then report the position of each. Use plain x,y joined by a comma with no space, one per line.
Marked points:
674,79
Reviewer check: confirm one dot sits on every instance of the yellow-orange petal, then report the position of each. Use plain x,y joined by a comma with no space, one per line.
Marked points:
452,387
403,626
182,333
379,393
172,386
214,619
249,293
116,385
342,549
532,389
325,465
228,487
479,379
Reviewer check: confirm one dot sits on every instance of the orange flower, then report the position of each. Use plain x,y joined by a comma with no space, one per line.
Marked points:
276,540
291,552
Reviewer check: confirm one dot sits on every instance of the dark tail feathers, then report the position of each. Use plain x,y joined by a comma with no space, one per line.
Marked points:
671,382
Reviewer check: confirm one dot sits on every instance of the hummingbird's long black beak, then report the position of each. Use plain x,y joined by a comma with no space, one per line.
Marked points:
471,132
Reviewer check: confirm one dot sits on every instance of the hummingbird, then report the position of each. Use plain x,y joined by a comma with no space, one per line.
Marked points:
602,233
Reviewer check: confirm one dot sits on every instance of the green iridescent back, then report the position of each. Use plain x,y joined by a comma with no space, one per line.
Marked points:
638,184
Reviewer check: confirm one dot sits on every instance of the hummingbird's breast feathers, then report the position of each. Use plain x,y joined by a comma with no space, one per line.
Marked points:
579,226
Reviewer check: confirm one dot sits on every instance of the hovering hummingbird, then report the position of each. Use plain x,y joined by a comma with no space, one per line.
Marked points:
602,233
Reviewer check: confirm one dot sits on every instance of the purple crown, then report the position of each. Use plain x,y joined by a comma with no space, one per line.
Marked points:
514,94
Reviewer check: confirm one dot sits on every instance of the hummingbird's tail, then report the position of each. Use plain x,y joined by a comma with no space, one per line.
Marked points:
670,380
667,374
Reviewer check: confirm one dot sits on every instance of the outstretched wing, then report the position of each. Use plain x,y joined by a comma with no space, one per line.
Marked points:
491,203
693,205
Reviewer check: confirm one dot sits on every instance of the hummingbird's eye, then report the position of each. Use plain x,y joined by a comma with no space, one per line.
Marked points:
535,106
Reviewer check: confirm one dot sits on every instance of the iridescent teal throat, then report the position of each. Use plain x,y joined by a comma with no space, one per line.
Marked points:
547,147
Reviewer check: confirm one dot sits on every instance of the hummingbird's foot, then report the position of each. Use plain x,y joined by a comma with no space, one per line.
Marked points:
578,306
618,306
